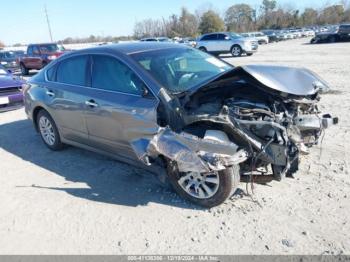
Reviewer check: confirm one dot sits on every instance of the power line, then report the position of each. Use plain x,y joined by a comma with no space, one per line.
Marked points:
48,24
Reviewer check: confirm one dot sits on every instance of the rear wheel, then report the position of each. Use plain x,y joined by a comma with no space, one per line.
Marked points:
207,190
48,131
24,70
236,51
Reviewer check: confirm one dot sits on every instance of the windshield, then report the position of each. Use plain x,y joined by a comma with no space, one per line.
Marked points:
51,48
234,35
8,55
179,69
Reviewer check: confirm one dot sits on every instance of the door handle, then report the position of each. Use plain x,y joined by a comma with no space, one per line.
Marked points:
91,103
50,93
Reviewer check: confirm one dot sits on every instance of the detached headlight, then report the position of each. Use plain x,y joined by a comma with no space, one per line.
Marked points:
4,63
52,57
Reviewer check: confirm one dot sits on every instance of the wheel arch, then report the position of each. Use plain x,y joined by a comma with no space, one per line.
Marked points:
236,45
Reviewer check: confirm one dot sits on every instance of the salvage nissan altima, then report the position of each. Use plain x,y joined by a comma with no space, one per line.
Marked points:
180,113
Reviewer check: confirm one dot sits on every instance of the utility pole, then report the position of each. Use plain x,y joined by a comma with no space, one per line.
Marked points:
48,23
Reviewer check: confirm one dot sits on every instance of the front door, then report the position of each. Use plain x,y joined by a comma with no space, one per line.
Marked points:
117,112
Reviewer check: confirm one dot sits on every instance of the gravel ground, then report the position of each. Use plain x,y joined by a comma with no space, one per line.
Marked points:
77,202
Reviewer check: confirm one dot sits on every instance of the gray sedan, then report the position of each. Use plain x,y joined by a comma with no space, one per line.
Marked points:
181,113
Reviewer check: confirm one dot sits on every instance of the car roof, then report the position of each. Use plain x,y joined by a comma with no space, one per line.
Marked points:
131,48
44,44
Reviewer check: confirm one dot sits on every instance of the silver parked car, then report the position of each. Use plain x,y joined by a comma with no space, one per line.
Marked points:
260,36
223,43
180,113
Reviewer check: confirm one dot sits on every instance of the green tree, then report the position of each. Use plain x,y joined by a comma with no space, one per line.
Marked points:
240,18
211,22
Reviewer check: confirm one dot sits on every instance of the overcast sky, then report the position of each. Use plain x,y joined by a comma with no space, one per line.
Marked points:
25,22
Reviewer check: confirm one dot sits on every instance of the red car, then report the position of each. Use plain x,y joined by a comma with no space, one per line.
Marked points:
38,56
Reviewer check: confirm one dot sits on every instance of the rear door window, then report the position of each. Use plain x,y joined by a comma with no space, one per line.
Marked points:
110,74
209,37
72,71
222,37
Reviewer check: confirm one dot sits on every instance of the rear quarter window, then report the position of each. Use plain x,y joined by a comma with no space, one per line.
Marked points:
51,74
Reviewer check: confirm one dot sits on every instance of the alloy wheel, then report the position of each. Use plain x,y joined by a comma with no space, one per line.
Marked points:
199,185
47,131
236,51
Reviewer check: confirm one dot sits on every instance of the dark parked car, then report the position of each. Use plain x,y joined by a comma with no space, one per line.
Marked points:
9,60
39,55
179,112
11,96
341,34
273,35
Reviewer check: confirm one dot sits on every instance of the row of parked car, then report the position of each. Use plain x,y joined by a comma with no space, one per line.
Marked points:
13,63
40,55
236,44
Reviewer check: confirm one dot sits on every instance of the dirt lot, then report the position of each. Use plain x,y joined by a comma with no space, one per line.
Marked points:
78,202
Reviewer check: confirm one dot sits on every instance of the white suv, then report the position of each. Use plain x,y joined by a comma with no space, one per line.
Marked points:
223,43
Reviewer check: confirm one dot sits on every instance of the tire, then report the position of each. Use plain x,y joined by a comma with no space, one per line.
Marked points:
48,131
227,179
24,70
203,49
236,51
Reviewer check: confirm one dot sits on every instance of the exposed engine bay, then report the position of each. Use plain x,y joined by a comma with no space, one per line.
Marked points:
244,117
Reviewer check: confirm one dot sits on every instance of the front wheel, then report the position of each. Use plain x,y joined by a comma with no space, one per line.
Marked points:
207,190
236,51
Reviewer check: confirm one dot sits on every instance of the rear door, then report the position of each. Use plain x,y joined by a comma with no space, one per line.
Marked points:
224,42
210,42
116,112
65,95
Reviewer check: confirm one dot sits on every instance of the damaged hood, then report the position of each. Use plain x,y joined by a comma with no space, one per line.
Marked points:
289,80
283,79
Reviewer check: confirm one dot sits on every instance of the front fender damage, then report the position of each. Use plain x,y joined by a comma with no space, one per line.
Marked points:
191,153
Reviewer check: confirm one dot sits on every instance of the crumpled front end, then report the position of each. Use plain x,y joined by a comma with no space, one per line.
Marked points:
191,153
254,116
